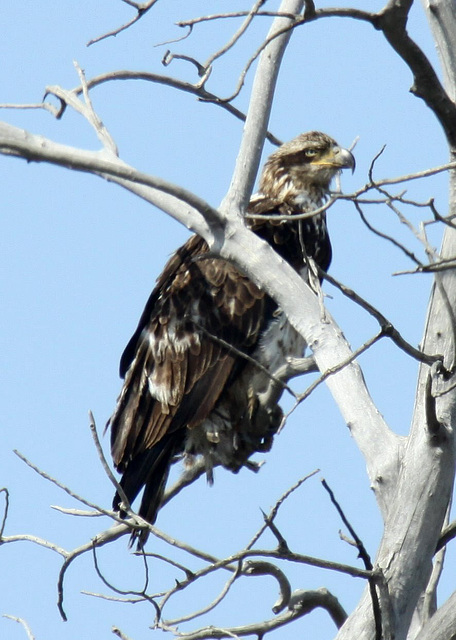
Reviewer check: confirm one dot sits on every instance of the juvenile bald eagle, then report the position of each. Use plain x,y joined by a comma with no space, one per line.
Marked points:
188,386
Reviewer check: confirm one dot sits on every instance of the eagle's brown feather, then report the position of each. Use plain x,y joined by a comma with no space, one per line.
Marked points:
187,385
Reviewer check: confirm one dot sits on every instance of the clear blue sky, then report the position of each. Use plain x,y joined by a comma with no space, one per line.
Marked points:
79,257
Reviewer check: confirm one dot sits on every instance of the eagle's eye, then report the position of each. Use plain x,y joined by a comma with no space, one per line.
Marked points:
310,153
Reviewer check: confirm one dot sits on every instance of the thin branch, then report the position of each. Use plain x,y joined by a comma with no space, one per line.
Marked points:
67,490
388,329
129,592
198,90
237,14
288,556
21,621
25,537
104,596
385,236
40,105
297,20
261,568
448,534
91,116
364,557
333,370
211,606
238,34
275,509
120,634
282,544
142,9
419,235
358,542
189,574
98,541
284,31
303,603
77,512
126,507
5,512
233,564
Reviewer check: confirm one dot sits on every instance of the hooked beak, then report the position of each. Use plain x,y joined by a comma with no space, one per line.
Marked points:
337,158
343,158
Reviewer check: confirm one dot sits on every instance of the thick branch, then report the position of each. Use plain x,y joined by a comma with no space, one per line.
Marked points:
442,625
258,114
393,21
190,210
442,20
304,603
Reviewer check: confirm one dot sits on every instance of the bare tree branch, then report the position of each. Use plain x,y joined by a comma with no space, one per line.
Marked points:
21,621
261,568
198,90
258,114
141,7
442,625
303,603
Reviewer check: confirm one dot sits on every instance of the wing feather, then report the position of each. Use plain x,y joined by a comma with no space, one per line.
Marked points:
175,366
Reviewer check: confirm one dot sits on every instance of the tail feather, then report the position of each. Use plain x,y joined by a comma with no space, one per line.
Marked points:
150,469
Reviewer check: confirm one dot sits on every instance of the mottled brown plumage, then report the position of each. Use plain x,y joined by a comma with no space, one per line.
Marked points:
187,386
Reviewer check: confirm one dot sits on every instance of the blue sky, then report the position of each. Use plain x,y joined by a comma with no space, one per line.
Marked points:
79,257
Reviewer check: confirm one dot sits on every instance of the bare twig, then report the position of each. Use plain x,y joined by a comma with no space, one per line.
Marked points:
120,634
196,614
126,507
67,490
448,534
280,32
261,568
364,557
40,105
237,14
129,592
239,33
282,543
388,329
98,541
189,574
198,90
142,9
89,113
5,511
360,546
385,236
23,622
275,509
330,372
77,512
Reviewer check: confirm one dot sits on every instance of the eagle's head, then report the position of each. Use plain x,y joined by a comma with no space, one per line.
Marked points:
305,165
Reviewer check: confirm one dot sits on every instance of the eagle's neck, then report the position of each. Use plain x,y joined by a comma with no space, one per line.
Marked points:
306,202
303,195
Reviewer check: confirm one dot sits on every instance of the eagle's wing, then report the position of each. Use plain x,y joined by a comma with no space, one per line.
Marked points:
179,360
